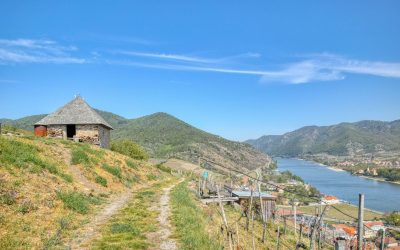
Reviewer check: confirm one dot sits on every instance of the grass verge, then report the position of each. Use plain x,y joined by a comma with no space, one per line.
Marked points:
190,220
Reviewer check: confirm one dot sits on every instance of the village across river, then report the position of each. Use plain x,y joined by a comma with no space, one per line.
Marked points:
380,196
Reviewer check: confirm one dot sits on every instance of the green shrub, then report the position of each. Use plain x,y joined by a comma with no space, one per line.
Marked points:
75,201
100,180
79,156
164,168
116,171
131,164
130,149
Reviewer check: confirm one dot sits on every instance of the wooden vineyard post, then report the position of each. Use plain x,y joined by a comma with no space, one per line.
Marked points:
224,219
252,230
263,217
199,186
316,226
278,237
204,185
284,225
300,233
237,236
249,208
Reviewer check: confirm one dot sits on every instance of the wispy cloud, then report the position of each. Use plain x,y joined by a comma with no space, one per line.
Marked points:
304,69
316,67
166,56
188,58
36,51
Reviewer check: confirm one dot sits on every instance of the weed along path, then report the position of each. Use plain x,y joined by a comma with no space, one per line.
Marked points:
162,237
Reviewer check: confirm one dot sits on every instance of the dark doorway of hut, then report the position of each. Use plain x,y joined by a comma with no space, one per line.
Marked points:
71,131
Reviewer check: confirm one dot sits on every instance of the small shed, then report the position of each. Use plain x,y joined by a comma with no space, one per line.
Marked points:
246,195
76,120
268,200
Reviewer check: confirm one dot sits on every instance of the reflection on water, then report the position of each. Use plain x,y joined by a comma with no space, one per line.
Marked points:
379,195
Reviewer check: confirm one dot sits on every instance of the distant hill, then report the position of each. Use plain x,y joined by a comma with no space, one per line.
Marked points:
165,136
342,139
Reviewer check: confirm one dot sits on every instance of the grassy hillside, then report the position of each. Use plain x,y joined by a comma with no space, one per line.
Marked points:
165,136
51,188
343,139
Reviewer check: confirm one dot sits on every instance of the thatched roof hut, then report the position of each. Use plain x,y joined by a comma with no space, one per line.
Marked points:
78,121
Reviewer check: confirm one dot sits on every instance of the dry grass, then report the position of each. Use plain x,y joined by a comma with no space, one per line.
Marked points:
32,215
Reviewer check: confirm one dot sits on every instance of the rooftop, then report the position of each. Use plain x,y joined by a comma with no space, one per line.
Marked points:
76,111
244,194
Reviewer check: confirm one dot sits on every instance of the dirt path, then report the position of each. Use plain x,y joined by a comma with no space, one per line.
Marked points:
91,230
76,172
162,237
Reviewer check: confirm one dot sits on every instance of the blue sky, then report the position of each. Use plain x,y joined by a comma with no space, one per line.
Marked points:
233,68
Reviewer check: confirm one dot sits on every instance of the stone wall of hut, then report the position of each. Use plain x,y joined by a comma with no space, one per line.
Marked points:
88,133
57,131
104,137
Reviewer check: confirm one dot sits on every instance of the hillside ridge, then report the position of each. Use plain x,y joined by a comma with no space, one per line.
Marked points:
165,136
362,137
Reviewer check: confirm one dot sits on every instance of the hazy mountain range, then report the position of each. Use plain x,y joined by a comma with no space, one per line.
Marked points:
342,139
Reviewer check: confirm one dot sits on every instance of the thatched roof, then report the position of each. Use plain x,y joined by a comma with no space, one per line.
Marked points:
76,111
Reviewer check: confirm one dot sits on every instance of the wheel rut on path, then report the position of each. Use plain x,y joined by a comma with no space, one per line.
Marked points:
91,230
162,237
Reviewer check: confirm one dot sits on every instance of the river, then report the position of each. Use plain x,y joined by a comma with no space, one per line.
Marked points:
380,196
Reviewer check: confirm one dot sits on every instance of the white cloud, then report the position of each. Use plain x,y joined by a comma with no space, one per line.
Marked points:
36,51
188,59
316,67
174,57
309,68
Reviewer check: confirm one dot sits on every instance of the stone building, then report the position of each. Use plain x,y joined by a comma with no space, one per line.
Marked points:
78,121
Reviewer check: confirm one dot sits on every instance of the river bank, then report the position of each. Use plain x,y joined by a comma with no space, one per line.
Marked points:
379,196
376,178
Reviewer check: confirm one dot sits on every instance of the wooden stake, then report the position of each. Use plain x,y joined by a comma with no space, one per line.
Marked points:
249,208
237,235
278,237
252,229
199,186
224,218
262,213
284,225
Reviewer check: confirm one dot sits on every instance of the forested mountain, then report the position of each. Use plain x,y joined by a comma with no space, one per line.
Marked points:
342,139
